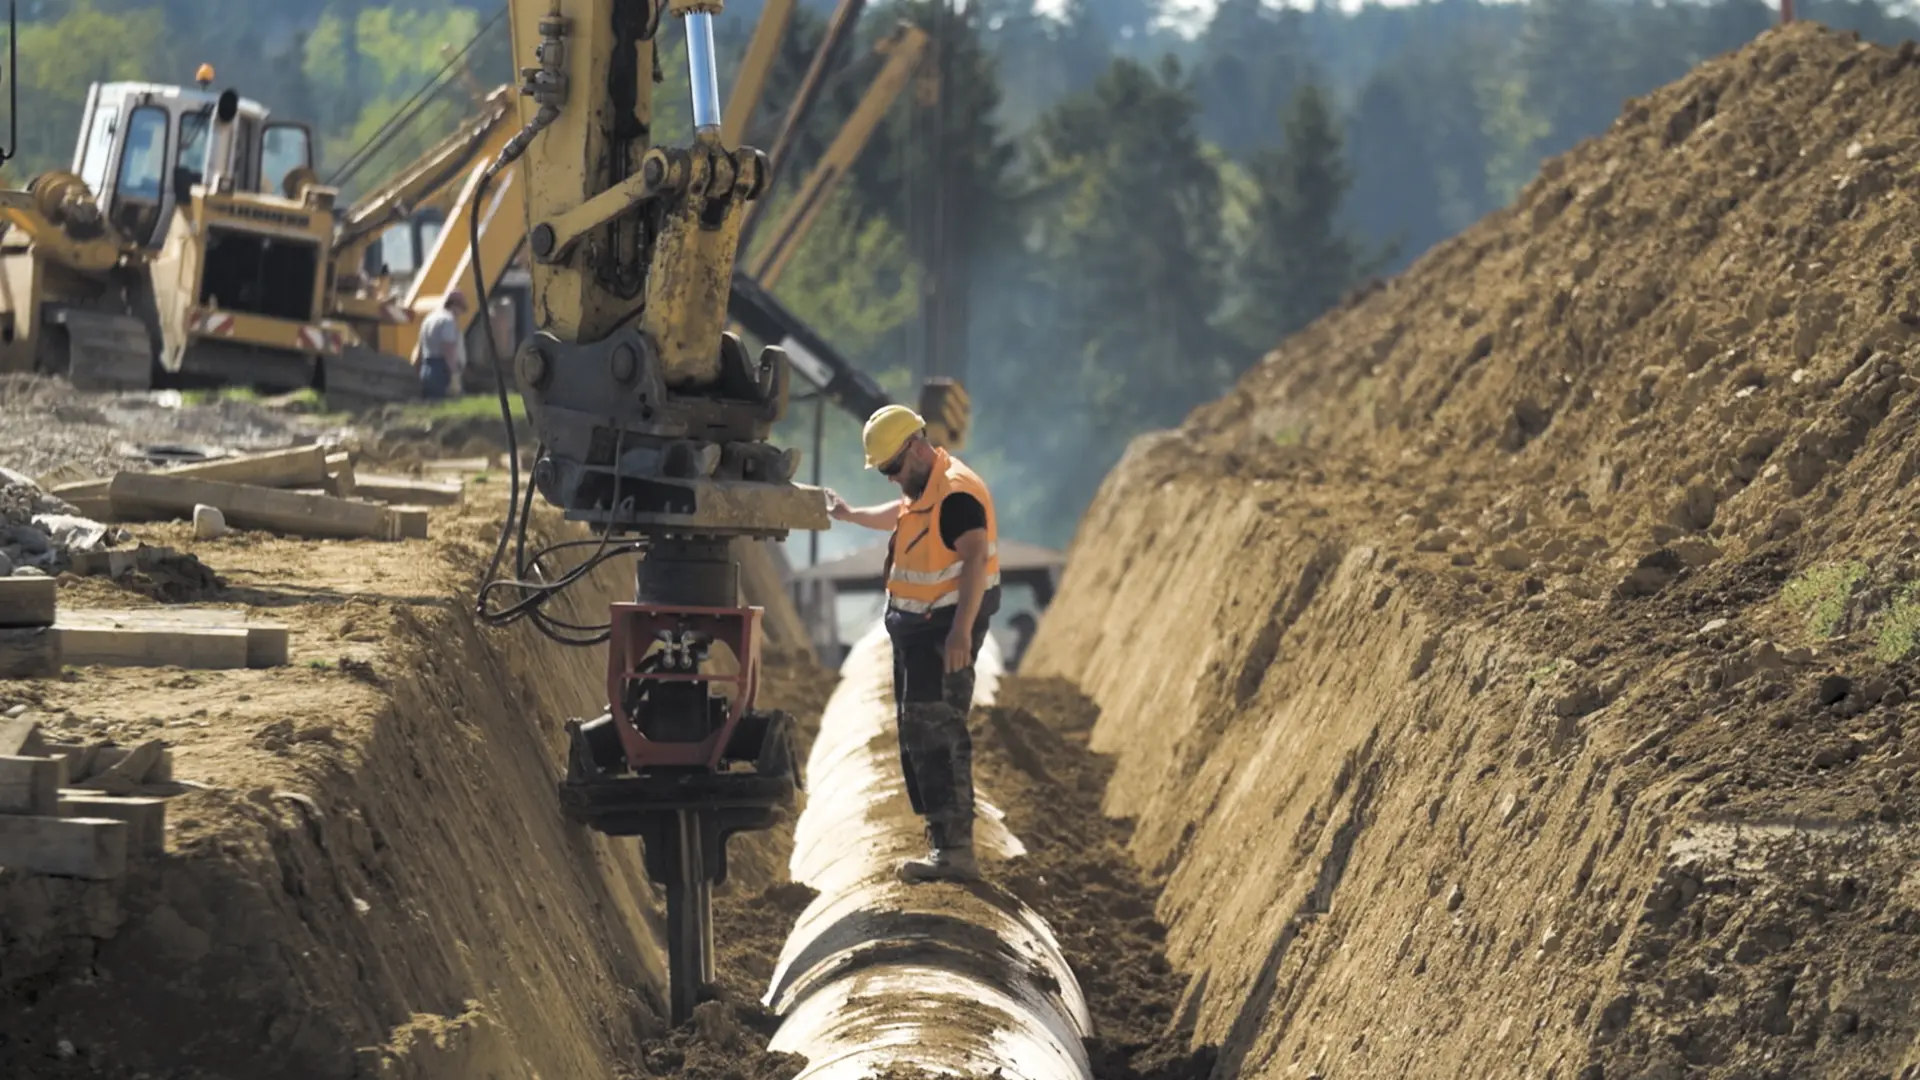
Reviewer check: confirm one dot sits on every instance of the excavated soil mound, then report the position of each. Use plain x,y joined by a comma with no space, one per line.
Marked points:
366,872
1512,676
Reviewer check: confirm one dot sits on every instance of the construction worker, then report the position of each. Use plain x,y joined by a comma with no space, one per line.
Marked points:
943,585
443,348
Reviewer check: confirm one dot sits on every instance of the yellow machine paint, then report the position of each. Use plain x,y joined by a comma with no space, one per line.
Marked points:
191,244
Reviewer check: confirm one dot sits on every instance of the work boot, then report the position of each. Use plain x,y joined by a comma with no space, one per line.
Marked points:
943,864
951,857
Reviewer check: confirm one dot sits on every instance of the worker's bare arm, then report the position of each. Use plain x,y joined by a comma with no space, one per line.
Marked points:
972,549
882,517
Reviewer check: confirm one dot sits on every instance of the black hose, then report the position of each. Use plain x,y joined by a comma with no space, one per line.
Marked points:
519,507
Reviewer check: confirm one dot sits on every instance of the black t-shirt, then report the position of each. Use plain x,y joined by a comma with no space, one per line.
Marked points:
960,514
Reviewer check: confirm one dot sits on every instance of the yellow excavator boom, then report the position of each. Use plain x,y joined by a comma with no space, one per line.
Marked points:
904,49
434,176
449,264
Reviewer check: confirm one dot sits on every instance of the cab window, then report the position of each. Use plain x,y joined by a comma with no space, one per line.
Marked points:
284,149
191,162
144,160
93,165
395,250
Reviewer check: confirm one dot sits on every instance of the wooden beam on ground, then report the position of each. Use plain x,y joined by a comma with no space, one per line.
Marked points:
206,648
27,601
253,507
86,762
145,818
408,522
340,479
31,785
29,653
407,491
267,643
81,489
16,736
91,848
300,466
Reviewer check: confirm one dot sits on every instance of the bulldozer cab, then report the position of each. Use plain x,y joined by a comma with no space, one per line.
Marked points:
144,146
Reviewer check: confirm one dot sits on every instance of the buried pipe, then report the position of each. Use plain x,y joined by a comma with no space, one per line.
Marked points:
961,979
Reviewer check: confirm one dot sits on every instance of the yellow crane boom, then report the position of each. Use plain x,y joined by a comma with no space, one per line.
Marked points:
904,48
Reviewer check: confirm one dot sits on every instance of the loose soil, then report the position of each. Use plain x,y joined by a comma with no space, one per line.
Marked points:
1512,675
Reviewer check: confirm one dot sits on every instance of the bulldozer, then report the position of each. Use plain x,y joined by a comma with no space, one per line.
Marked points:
190,245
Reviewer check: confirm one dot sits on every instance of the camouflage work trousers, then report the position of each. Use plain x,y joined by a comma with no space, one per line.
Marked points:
936,753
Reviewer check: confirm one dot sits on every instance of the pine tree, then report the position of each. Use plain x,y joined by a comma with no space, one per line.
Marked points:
1109,332
1300,259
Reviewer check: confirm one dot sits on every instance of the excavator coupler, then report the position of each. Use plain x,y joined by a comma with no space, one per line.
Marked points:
682,761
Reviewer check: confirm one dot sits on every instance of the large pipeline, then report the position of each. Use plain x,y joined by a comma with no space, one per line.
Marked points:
956,979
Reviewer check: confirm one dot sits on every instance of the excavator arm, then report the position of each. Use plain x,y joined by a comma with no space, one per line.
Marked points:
653,427
435,174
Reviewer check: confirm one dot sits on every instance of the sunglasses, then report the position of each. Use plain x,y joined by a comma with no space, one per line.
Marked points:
899,461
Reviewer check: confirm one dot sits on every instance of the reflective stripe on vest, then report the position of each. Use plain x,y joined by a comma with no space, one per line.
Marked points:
923,573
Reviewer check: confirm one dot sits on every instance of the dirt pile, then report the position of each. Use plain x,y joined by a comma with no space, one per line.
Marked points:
368,875
1511,676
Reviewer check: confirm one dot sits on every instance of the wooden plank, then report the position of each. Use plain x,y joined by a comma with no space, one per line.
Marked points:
29,653
267,642
340,479
407,522
251,507
145,818
98,509
81,489
409,492
31,785
91,848
17,735
86,762
125,777
176,645
26,601
298,466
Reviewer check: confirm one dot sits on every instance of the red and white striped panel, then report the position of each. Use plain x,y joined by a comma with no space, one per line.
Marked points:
217,322
313,338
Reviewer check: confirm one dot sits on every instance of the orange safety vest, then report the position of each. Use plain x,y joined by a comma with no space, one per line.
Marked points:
923,573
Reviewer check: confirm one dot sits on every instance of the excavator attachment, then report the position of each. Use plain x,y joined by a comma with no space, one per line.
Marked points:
948,412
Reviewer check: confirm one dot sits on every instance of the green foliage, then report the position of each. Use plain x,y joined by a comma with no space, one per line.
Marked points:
1899,630
60,58
1821,594
1297,259
856,285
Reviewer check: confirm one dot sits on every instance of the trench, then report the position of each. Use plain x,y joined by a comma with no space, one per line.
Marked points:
374,882
878,975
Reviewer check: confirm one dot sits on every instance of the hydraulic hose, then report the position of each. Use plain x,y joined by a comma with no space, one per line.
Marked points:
881,975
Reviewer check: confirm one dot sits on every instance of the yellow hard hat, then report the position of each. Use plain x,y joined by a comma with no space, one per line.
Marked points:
204,75
887,430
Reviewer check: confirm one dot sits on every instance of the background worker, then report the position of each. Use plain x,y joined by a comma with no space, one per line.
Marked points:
443,348
943,586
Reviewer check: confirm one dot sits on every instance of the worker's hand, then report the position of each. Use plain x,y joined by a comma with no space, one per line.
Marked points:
959,650
837,507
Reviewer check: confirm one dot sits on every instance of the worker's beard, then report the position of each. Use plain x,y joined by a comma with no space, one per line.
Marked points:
914,480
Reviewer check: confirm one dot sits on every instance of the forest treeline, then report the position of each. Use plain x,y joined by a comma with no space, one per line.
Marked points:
1144,209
